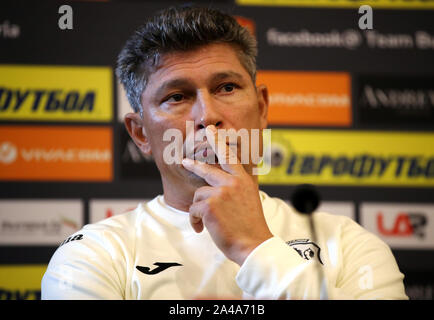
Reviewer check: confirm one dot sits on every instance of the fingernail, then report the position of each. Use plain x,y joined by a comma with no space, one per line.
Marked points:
187,162
212,128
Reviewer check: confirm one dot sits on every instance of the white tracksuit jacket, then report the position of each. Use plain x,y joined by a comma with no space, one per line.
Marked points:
154,253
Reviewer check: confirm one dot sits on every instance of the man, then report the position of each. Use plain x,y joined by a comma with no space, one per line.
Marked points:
212,234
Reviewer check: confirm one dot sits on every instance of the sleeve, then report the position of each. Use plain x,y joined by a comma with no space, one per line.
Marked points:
368,270
83,267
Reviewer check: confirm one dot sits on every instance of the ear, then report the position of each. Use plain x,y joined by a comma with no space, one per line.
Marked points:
134,125
262,93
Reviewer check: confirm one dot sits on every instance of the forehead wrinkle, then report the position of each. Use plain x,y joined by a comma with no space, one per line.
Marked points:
183,62
170,62
168,71
174,83
214,77
189,55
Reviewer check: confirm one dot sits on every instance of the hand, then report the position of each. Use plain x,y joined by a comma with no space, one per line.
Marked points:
230,207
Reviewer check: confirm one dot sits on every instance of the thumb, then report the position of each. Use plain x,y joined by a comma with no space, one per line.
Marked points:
196,218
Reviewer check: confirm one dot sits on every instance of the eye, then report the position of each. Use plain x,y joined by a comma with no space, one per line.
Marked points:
228,87
174,98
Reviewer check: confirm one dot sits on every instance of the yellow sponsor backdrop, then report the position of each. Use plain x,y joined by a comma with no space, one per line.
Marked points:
21,282
390,4
56,93
352,158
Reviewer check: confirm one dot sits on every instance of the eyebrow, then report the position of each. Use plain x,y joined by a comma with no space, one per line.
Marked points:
224,75
185,82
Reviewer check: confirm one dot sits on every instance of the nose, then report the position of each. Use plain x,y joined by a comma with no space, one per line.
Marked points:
205,112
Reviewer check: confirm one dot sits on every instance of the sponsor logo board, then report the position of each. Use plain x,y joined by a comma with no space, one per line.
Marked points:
402,226
39,222
419,291
101,209
56,93
56,153
350,39
308,98
349,158
9,30
390,4
419,285
21,282
395,100
347,39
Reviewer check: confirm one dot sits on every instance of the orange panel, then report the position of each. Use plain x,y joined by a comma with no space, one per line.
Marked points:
308,98
56,153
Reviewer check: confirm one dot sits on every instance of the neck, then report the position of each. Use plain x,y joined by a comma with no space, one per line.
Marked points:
178,195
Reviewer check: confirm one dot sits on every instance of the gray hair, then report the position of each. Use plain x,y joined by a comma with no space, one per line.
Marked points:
179,29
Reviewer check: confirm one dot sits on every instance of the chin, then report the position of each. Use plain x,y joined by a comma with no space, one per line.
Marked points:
196,181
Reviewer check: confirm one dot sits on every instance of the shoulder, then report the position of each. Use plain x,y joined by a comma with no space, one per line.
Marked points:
93,262
351,234
356,238
327,223
111,234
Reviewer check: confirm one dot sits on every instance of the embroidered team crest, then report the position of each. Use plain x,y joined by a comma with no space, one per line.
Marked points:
306,249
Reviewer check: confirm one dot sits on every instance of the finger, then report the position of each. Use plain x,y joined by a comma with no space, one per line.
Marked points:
212,175
196,214
203,193
228,159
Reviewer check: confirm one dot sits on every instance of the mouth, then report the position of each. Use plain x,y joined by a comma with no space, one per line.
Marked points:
203,152
202,147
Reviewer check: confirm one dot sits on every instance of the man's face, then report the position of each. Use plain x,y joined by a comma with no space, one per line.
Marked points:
208,86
